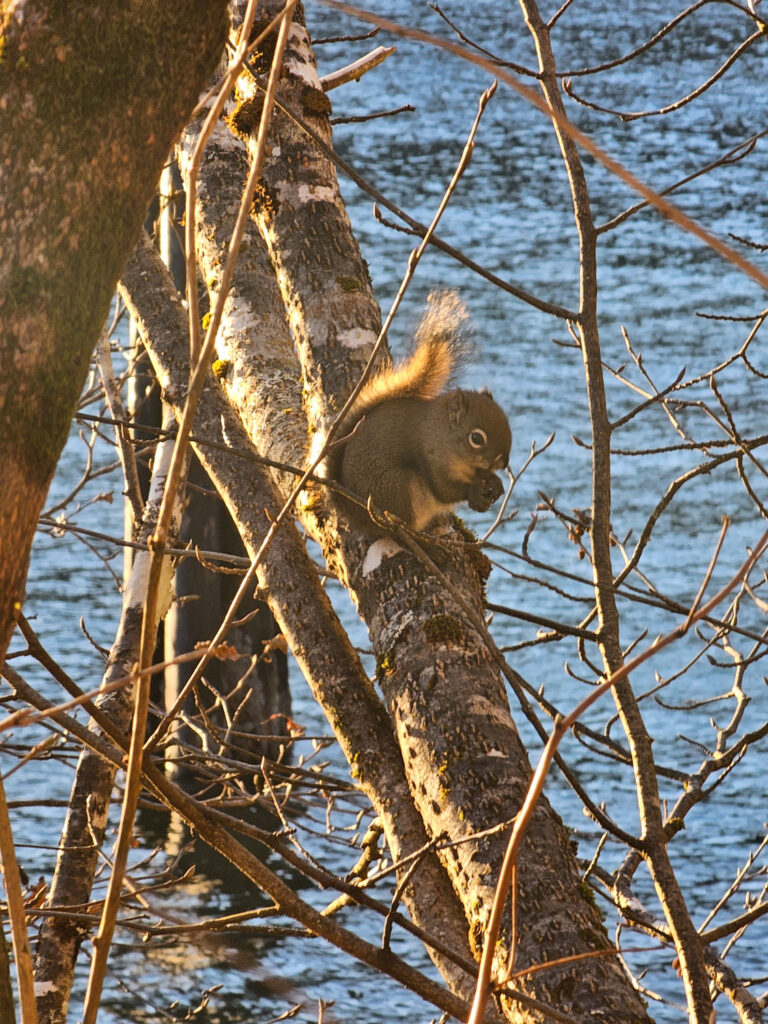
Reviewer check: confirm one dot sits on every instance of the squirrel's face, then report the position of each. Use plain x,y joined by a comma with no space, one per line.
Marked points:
481,433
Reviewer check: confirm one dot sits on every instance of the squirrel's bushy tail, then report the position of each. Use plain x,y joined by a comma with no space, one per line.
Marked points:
441,346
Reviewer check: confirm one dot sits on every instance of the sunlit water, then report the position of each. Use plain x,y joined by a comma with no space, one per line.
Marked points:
511,214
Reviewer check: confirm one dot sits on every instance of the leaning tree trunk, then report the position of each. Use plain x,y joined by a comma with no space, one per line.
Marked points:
466,767
85,126
288,578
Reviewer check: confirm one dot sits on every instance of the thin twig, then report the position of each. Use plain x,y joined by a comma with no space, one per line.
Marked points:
733,156
406,108
103,938
683,101
354,71
708,574
124,447
654,39
16,913
664,206
560,728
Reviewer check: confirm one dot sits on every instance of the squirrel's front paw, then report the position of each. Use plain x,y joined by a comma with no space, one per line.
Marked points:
484,491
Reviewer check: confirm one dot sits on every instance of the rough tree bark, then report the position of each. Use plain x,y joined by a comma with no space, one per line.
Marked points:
288,580
79,178
91,99
466,767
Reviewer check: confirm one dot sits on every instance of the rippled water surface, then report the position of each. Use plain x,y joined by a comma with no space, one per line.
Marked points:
512,214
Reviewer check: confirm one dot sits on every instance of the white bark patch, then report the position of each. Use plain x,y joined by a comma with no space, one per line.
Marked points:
315,407
378,552
320,193
224,139
136,588
241,318
221,137
298,61
42,988
185,148
302,194
357,337
97,814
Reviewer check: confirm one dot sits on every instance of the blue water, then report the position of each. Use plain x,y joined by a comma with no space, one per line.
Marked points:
512,214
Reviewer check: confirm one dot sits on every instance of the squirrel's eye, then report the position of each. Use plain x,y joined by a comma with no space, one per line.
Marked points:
477,438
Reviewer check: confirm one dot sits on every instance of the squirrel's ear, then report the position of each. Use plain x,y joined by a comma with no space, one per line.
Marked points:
457,408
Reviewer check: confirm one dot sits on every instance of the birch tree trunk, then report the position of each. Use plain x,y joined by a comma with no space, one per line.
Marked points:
466,768
59,939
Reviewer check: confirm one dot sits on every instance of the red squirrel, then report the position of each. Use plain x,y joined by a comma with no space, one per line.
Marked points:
411,447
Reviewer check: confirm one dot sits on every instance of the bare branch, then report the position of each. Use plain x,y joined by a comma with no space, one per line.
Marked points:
353,72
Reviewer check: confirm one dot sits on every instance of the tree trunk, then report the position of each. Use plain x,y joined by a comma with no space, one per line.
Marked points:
289,580
59,939
466,767
85,126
